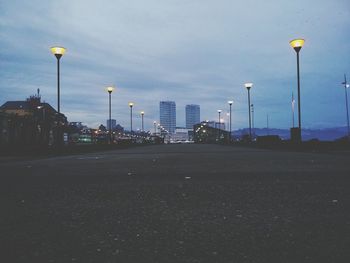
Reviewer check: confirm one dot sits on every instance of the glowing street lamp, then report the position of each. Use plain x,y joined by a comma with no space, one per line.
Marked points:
142,114
58,52
297,44
110,90
131,104
248,86
230,103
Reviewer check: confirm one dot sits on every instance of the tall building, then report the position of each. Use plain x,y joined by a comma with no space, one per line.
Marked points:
192,115
167,114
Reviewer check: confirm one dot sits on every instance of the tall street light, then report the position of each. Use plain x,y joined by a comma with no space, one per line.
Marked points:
219,133
110,90
142,114
248,86
346,86
252,106
131,105
58,52
230,103
297,44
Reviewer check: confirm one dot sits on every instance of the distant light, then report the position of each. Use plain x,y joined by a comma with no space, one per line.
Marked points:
219,111
297,44
142,112
248,85
230,102
58,51
347,85
110,89
131,104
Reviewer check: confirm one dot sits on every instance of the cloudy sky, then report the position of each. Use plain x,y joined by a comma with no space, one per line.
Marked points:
189,51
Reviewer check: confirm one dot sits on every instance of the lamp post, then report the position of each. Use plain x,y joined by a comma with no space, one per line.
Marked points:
110,90
219,133
58,52
131,105
252,106
346,86
248,86
230,103
142,114
297,44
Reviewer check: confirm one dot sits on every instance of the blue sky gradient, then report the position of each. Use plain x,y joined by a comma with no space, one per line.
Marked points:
192,52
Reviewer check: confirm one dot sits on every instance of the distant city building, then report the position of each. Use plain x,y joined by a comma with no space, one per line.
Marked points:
167,112
216,124
204,132
192,115
181,134
113,123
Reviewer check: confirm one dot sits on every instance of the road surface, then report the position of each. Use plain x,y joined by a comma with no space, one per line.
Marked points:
176,203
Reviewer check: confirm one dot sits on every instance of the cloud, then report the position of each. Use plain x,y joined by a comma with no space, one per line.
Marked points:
187,51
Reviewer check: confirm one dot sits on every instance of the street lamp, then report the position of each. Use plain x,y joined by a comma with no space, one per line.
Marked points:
230,103
110,90
346,86
58,52
131,105
142,114
297,44
252,106
219,111
248,86
219,133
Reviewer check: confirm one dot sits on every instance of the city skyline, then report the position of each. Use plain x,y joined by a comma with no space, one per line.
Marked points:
160,51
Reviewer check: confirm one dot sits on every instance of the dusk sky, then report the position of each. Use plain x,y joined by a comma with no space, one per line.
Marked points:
189,51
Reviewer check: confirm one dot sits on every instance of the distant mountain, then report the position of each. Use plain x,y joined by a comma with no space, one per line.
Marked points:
328,134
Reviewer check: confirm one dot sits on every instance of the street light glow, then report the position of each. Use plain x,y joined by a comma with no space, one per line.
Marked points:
219,111
297,43
230,102
58,50
248,85
131,104
142,112
110,89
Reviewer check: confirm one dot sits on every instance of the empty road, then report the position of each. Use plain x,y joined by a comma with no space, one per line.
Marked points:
176,203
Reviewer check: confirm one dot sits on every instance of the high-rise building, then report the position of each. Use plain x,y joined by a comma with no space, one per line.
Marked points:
113,124
167,112
192,115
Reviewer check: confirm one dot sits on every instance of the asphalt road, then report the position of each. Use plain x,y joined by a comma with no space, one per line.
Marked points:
176,203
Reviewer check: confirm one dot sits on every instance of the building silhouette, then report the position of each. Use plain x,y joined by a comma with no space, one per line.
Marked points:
192,115
167,114
30,123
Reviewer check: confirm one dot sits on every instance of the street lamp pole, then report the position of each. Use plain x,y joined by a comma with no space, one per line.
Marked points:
297,44
110,90
346,86
252,105
58,52
230,103
142,114
131,105
248,86
219,130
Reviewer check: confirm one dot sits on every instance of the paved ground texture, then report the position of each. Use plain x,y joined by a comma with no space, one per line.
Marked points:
177,203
